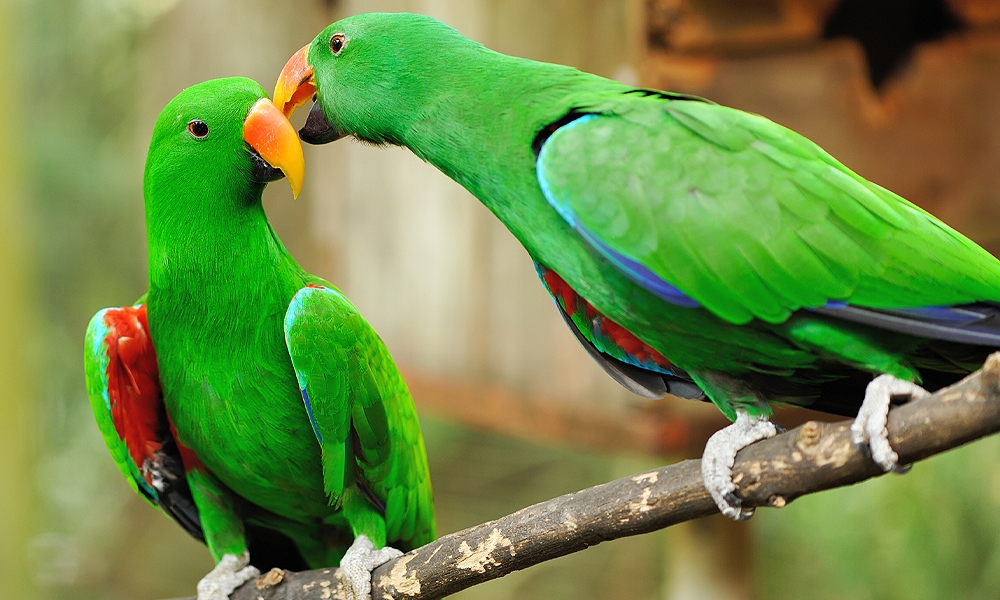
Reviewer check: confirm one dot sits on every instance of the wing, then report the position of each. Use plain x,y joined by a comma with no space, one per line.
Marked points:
123,384
638,367
361,412
710,206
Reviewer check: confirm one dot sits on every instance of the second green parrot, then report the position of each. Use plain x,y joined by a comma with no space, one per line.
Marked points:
691,248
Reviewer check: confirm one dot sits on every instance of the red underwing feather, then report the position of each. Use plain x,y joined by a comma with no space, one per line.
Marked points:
134,384
188,456
573,302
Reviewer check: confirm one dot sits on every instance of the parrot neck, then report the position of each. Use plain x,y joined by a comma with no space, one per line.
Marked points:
482,136
217,254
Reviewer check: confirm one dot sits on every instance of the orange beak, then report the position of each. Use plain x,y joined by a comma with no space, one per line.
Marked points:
270,133
295,85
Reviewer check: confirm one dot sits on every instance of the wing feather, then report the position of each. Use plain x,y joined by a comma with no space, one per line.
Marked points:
735,213
124,389
363,414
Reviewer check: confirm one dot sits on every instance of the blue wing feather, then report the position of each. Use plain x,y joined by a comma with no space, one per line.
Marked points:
977,324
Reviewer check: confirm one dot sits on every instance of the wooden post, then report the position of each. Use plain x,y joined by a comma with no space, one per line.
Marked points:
19,397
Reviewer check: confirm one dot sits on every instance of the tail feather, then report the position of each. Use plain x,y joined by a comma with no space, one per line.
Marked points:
977,324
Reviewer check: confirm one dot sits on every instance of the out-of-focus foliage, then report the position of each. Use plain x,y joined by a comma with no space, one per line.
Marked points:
482,476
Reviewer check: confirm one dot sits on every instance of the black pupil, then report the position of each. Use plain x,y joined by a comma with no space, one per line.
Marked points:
198,128
337,43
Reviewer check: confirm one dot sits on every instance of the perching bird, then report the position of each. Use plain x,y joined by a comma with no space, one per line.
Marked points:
247,398
691,248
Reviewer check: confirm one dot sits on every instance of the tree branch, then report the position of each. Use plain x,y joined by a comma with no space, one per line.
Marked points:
810,458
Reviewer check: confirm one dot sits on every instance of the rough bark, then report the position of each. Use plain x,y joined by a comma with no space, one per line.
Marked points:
810,458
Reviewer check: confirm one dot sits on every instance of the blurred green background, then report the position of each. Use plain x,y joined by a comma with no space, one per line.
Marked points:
453,295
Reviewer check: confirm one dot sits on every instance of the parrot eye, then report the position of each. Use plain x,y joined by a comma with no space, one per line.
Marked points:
337,42
198,128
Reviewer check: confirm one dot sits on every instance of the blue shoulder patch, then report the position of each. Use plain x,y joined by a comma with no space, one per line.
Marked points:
97,332
309,409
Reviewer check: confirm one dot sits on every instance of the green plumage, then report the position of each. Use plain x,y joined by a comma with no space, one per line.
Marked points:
758,228
232,347
761,221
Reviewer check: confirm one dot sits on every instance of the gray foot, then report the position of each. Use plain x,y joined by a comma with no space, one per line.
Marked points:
720,455
231,572
359,562
869,428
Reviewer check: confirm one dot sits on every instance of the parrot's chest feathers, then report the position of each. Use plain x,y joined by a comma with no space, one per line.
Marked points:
227,380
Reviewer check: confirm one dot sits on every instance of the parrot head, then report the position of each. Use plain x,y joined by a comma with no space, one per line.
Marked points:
223,132
371,75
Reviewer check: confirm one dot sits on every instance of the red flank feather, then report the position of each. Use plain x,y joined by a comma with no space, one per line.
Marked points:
134,383
621,337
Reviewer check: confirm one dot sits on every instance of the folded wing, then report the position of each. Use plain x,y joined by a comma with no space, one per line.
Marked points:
123,384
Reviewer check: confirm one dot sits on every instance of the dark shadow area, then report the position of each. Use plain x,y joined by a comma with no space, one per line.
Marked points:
889,30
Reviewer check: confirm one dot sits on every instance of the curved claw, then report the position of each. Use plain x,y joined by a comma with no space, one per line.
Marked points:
902,469
720,456
734,507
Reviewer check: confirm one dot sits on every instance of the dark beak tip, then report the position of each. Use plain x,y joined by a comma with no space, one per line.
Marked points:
263,172
317,129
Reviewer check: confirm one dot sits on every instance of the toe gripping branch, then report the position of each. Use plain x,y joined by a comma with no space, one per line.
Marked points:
720,456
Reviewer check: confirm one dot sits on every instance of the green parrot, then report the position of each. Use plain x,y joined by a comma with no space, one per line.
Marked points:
692,248
246,398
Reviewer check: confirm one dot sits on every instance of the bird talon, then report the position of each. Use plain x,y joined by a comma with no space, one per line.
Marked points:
720,455
735,510
358,563
869,430
230,573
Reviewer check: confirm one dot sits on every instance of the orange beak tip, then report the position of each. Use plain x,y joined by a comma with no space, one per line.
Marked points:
295,85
